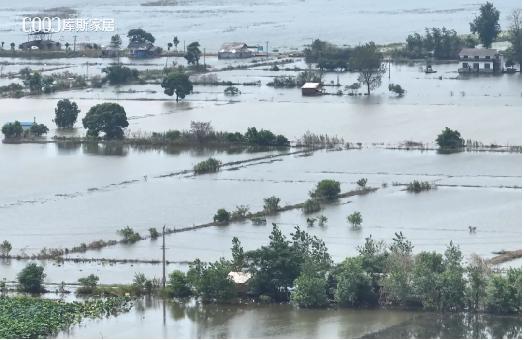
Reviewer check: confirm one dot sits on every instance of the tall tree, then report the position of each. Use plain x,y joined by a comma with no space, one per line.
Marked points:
66,113
367,60
116,41
138,35
486,25
177,83
109,118
193,53
515,37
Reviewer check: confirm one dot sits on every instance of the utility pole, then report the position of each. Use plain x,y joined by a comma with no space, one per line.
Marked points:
389,71
87,70
74,43
164,257
184,47
204,58
267,49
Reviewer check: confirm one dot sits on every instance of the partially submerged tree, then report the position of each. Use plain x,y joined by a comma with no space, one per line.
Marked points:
38,129
66,113
486,24
515,37
326,190
31,278
177,83
193,53
109,118
367,60
5,248
355,219
12,130
450,140
116,41
138,35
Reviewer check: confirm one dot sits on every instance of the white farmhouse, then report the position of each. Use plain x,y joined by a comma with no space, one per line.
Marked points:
480,60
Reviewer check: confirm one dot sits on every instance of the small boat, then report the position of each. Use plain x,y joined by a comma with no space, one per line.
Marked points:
429,69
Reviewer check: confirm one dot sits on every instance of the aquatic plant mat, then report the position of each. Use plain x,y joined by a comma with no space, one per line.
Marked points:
31,317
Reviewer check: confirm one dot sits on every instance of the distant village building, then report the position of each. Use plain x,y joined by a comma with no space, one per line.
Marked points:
480,60
236,50
143,50
311,89
40,41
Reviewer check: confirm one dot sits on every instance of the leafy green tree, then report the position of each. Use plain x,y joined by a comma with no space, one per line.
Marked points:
515,37
231,91
396,89
308,76
237,252
355,219
129,235
153,233
88,284
38,129
326,190
362,182
427,283
505,292
450,140
264,138
142,285
178,285
116,41
396,283
367,60
453,282
176,42
193,53
211,281
5,248
310,289
177,83
66,113
31,278
354,284
373,256
271,205
138,35
222,216
34,83
477,281
12,130
109,118
486,25
118,74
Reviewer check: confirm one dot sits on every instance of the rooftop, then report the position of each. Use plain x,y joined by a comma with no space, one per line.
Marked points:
232,46
311,85
481,52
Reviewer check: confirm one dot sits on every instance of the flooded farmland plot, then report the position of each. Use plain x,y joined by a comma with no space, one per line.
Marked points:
208,169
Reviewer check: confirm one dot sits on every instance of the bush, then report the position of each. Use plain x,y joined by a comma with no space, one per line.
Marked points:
178,285
271,205
38,129
311,206
31,278
450,140
66,113
322,220
141,285
211,281
505,292
354,285
326,190
231,91
12,130
397,89
309,291
118,74
355,219
88,284
242,211
283,82
153,233
264,138
129,235
207,166
416,186
222,216
362,182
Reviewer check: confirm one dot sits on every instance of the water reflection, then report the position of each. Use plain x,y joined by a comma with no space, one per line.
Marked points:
476,326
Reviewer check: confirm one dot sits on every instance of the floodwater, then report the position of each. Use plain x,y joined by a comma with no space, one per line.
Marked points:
151,318
213,22
482,189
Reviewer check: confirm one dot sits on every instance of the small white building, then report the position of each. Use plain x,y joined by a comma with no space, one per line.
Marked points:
480,60
311,89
